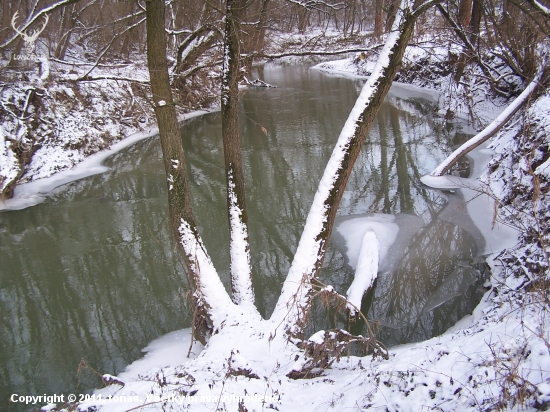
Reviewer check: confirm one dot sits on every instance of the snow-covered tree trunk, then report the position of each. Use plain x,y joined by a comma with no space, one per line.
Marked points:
210,298
295,300
490,130
241,274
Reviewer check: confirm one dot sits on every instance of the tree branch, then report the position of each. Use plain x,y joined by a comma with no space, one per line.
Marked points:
36,17
490,130
318,53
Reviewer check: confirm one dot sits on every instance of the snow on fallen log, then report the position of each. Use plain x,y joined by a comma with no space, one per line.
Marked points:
366,272
490,130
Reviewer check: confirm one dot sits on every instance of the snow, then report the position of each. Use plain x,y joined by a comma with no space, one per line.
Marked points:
213,295
502,345
498,353
172,348
367,269
541,7
477,203
490,129
239,251
295,288
355,229
32,193
9,161
343,67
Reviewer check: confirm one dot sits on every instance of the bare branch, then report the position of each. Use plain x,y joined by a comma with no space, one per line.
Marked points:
31,20
316,4
109,46
376,47
545,11
106,77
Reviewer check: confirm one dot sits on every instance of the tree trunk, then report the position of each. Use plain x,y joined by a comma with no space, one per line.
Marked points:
259,37
475,21
209,298
392,11
465,13
241,278
378,15
295,300
65,31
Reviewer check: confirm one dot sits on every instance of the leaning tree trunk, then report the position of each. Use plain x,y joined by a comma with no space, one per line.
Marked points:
295,300
241,279
209,298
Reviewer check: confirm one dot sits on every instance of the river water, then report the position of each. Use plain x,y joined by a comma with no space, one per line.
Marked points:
91,275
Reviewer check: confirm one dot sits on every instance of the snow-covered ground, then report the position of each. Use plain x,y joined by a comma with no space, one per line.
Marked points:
51,123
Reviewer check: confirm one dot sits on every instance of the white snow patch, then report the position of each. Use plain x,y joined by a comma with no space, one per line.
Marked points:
170,349
381,225
367,269
32,193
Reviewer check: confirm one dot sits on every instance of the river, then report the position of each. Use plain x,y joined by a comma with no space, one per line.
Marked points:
91,275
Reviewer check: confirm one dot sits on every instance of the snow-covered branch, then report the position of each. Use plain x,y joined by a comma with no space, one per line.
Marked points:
376,47
366,271
316,4
541,8
490,130
241,271
239,250
106,77
209,290
195,45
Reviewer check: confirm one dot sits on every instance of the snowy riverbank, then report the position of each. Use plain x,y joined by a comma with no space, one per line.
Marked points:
34,192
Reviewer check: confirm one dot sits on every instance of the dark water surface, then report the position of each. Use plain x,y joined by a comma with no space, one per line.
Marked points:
92,272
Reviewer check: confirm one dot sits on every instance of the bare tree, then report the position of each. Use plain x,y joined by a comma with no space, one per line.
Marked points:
209,297
212,301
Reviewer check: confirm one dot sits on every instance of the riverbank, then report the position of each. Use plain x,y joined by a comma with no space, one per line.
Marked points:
33,192
53,120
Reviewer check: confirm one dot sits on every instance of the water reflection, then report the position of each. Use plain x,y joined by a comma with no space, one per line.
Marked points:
88,274
92,272
434,277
